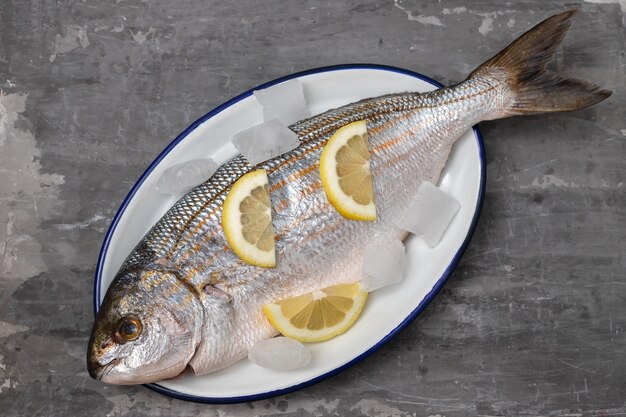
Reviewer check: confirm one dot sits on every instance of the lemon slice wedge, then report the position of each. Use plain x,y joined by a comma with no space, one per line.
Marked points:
247,220
318,315
345,172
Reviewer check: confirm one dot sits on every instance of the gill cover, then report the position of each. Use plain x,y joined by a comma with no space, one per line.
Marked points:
147,329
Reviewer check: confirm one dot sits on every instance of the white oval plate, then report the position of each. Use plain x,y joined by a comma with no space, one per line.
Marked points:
387,311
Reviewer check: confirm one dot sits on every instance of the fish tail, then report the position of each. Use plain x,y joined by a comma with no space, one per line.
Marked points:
532,88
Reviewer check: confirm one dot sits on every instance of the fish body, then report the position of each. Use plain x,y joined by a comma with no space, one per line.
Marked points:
200,307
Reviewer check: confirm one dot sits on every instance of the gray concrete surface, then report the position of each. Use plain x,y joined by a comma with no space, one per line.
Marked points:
532,322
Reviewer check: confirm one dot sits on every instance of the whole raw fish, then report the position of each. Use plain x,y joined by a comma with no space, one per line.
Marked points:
183,301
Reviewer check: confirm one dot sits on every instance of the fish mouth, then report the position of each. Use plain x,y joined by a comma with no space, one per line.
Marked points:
97,371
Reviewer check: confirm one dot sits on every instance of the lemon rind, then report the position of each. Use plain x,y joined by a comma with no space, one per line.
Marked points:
231,223
273,312
342,202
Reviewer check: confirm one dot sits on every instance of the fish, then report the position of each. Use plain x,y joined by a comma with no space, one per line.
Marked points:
183,303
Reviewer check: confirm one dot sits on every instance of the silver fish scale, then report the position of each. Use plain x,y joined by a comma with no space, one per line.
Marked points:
331,120
166,232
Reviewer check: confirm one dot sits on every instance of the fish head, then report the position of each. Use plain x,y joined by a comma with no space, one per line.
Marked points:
147,328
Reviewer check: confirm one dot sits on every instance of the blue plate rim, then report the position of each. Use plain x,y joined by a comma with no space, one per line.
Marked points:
420,307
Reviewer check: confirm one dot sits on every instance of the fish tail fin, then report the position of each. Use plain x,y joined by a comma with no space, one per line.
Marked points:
535,89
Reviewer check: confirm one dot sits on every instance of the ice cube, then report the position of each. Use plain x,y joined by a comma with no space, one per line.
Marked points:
383,264
280,353
284,101
429,214
265,141
183,176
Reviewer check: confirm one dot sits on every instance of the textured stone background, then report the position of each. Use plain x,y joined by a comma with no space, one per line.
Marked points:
533,320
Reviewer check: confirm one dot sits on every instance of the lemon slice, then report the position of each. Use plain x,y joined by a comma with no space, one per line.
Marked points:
247,220
345,172
318,315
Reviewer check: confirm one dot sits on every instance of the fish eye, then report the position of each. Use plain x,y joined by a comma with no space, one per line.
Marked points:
129,328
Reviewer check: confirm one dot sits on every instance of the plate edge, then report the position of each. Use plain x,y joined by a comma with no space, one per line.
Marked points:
420,307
